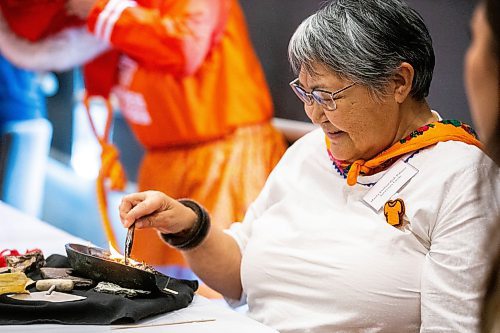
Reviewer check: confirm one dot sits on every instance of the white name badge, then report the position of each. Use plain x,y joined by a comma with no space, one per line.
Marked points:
395,178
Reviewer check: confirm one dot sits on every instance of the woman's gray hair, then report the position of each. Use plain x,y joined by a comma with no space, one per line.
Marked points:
365,41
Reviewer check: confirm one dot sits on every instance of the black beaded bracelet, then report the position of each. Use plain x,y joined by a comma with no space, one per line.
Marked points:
190,239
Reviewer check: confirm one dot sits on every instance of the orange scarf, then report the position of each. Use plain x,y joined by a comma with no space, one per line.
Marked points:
425,136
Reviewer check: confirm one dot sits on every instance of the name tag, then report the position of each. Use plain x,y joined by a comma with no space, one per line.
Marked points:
395,178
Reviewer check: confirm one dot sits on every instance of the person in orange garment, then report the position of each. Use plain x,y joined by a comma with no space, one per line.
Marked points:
192,90
188,82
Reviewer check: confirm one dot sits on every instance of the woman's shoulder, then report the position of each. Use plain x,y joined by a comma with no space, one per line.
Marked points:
453,156
455,162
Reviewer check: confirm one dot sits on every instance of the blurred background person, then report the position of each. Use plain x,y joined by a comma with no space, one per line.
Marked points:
482,83
193,92
25,56
481,74
25,136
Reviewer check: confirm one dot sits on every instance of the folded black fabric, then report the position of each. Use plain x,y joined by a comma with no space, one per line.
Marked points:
97,308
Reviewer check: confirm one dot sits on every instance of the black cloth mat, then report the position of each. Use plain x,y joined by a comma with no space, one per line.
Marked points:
97,308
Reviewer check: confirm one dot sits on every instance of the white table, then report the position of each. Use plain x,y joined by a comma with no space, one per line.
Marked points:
21,232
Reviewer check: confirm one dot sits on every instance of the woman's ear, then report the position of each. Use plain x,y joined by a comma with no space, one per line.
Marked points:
403,80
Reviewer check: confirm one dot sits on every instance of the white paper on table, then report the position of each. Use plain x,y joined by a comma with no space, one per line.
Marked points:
54,297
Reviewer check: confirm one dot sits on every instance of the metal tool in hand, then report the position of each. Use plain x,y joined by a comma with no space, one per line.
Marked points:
129,241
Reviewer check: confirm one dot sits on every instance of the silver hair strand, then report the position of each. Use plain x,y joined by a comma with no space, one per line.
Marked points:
365,41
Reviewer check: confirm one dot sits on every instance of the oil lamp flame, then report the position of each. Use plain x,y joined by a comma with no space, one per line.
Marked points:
116,256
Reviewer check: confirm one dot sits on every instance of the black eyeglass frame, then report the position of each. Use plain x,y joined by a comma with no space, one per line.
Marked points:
308,98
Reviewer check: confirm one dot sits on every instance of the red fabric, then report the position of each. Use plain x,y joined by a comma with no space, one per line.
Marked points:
45,17
7,252
100,74
37,19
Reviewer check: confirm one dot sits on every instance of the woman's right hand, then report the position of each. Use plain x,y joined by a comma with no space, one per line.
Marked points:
154,209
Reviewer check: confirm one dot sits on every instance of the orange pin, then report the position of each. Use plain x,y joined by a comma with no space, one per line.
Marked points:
394,210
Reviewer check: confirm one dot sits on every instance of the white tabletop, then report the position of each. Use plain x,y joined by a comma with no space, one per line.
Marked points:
21,232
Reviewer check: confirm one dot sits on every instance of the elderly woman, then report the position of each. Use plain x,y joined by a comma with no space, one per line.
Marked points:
375,221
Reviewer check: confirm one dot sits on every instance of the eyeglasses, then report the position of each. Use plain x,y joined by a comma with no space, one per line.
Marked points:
324,98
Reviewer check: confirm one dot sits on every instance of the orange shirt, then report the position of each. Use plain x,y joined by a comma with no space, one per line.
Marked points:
188,72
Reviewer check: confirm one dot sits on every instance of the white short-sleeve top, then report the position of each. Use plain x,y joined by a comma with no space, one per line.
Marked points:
316,258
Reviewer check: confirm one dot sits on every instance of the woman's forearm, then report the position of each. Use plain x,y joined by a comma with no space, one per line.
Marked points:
217,262
215,258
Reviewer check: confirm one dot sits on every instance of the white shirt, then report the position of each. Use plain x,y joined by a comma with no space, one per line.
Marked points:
315,258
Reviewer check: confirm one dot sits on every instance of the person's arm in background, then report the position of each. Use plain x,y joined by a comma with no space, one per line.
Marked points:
178,40
455,267
216,260
64,50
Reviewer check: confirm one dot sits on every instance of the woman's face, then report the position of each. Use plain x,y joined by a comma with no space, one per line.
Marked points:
361,126
481,76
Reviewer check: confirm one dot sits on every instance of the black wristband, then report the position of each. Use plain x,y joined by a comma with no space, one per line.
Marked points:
196,235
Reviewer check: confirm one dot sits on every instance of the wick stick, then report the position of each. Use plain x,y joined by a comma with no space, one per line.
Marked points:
51,289
168,289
